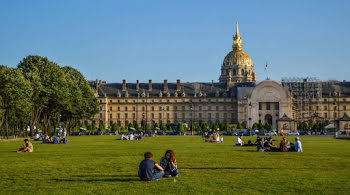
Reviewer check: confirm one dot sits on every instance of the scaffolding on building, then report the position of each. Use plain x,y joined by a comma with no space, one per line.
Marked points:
306,97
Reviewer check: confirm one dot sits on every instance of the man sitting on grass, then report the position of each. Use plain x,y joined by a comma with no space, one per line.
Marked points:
150,170
239,141
297,145
269,146
26,147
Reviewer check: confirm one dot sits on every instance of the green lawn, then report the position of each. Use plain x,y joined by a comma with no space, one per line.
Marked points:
105,165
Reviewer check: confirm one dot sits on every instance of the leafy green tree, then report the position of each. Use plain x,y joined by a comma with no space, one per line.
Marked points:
268,126
155,126
148,127
181,127
115,127
15,93
239,126
255,126
101,127
130,127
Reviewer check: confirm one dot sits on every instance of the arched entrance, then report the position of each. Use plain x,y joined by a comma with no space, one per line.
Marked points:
268,119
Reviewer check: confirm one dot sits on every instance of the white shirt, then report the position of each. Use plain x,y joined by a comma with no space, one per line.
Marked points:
36,136
298,146
239,141
131,137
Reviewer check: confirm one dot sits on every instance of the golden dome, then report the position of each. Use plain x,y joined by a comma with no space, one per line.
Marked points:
237,56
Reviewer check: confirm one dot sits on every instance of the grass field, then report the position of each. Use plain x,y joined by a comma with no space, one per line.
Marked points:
105,165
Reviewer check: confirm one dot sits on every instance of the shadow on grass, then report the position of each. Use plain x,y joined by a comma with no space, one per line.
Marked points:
98,179
242,168
104,176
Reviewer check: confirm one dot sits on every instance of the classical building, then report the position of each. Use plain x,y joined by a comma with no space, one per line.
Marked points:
236,98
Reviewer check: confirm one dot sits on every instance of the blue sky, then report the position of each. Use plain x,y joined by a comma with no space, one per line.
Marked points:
187,40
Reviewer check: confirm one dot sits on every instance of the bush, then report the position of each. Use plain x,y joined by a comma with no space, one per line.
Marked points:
181,128
239,126
101,127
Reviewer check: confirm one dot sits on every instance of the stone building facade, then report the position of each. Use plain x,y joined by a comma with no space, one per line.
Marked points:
237,97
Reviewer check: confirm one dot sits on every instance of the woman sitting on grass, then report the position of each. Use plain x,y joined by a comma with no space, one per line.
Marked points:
168,163
26,147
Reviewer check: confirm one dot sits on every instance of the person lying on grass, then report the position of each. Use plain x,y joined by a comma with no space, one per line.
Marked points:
168,163
150,170
26,147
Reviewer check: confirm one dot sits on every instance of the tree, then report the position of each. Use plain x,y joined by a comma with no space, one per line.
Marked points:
255,126
130,127
15,102
148,127
268,126
101,127
239,125
115,127
181,127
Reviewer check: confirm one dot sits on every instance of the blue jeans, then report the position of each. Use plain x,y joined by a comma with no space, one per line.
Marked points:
157,175
174,173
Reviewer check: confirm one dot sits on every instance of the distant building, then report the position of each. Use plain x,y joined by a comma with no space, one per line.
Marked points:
237,97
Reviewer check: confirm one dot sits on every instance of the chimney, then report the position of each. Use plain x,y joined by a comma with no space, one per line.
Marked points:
137,85
165,87
178,85
149,85
124,85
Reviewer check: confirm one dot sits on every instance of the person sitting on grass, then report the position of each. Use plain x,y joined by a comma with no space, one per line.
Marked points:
284,145
269,146
150,170
36,137
55,140
260,145
297,145
239,141
49,139
168,163
64,140
26,147
257,140
216,137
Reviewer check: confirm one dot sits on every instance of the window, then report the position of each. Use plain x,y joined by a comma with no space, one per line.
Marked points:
167,115
175,101
118,101
152,101
344,107
335,115
152,115
183,107
344,100
217,107
168,101
100,115
101,101
277,106
225,115
126,101
325,115
175,107
118,116
200,115
325,100
325,107
133,108
267,105
110,101
126,115
175,115
217,115
160,108
143,108
316,107
152,108
100,107
200,108
209,116
209,107
110,108
126,108
118,108
133,115
167,108
160,101
183,115
160,115
224,108
110,116
260,106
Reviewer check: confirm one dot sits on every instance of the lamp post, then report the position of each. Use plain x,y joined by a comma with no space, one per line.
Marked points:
249,119
191,119
334,122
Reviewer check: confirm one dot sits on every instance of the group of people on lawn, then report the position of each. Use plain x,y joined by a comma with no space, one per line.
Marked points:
215,137
131,136
266,144
149,170
50,139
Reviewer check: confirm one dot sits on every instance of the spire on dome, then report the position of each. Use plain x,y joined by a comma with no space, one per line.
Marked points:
237,39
